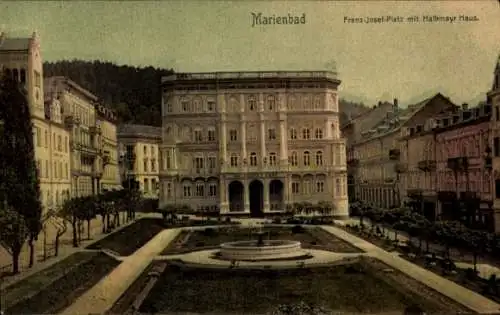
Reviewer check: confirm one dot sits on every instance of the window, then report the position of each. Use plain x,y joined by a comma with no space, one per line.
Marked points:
59,143
47,168
145,150
271,102
39,168
212,190
198,137
60,169
168,158
306,134
210,106
169,107
252,104
54,170
145,165
294,160
15,73
253,159
169,190
272,159
295,188
185,106
186,189
38,79
318,133
234,160
320,186
271,134
307,158
293,134
198,164
200,190
337,186
211,162
197,106
23,76
38,136
67,170
307,187
319,158
153,165
233,135
496,146
211,135
317,102
66,144
46,139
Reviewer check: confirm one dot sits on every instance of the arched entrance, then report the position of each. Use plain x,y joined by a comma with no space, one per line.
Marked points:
256,190
235,192
276,195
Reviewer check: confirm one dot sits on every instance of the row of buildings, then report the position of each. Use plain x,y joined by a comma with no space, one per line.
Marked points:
441,158
76,137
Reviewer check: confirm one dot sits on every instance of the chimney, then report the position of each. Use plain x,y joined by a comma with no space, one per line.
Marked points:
465,106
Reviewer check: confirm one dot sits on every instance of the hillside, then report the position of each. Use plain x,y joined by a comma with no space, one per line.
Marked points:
134,92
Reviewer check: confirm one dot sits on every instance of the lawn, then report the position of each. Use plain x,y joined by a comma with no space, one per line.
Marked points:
310,237
129,239
55,288
361,287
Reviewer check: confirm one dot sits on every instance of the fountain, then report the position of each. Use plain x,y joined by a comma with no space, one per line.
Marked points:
261,250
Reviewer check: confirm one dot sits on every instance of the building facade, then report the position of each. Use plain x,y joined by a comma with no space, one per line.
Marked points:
140,156
252,142
383,158
21,58
464,185
94,156
493,98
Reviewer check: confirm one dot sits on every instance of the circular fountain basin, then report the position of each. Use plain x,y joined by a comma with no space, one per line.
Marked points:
269,250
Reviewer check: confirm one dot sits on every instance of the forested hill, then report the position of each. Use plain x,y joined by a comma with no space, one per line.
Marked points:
133,92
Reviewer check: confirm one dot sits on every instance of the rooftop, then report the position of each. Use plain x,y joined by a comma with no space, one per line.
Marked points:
15,43
250,75
138,130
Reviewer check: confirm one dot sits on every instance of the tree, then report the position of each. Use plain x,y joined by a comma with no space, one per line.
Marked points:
13,234
21,189
60,223
70,211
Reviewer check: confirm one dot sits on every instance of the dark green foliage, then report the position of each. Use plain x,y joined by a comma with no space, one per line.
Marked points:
298,229
19,186
135,93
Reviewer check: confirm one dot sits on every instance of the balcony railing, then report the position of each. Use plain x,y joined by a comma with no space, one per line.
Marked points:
95,130
400,168
458,163
427,165
394,154
353,162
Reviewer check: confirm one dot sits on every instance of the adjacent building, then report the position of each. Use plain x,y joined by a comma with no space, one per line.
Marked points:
22,59
140,157
493,98
252,142
382,159
93,141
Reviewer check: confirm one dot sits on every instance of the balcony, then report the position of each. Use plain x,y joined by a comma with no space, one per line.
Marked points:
400,168
427,165
353,162
95,130
71,121
394,154
458,163
488,163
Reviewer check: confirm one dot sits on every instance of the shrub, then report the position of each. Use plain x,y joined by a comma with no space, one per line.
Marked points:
228,220
296,229
209,232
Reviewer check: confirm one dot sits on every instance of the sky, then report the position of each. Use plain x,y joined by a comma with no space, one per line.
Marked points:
374,61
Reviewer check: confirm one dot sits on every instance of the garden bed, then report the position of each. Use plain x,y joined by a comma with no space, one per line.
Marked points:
129,239
198,222
460,276
310,237
363,287
55,288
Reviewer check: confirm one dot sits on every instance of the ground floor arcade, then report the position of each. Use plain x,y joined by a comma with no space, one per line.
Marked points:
255,194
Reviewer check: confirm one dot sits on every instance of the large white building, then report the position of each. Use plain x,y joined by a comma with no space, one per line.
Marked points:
252,142
21,58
